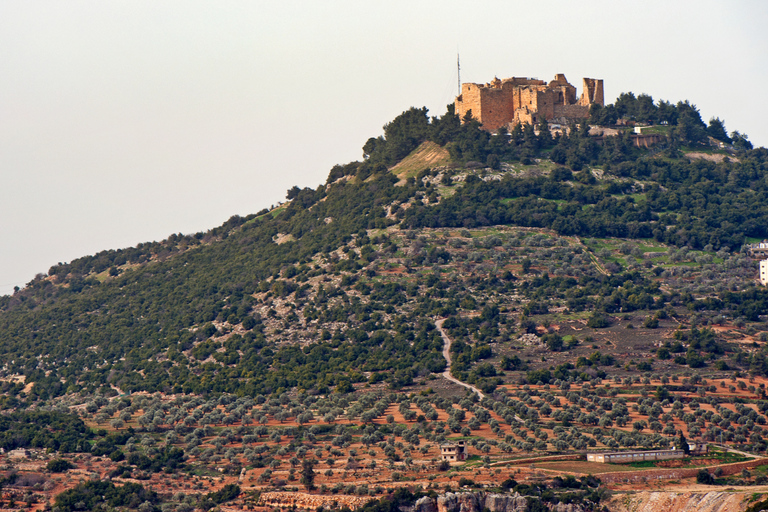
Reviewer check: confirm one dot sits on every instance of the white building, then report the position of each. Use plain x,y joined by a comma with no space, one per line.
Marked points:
627,457
640,456
453,451
764,272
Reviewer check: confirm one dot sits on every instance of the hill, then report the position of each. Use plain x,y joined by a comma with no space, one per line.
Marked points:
357,263
594,291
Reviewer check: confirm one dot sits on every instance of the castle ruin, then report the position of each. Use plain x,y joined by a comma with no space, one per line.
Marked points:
526,100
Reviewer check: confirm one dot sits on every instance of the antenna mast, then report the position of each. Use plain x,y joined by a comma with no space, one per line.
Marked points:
458,69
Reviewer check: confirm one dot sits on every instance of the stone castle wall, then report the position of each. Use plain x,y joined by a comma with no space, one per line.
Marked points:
524,100
570,112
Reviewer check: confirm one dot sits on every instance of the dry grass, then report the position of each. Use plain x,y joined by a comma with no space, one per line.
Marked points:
427,155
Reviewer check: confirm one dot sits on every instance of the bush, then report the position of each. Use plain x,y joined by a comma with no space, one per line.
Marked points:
703,477
509,483
59,466
598,321
651,322
466,482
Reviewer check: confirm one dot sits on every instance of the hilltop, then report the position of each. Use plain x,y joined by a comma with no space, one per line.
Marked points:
595,292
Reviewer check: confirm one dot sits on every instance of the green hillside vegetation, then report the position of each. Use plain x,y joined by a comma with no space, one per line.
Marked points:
341,285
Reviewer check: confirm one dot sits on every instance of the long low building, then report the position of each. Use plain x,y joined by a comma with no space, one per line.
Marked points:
627,457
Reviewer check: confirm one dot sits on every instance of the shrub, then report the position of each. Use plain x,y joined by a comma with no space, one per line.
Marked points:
598,321
703,477
59,466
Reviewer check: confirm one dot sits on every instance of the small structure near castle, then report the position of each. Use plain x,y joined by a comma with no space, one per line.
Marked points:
453,451
517,100
758,250
764,272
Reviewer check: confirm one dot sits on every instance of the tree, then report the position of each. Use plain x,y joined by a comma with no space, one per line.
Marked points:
740,141
545,136
691,127
682,444
703,477
59,466
553,341
598,321
308,474
292,192
716,130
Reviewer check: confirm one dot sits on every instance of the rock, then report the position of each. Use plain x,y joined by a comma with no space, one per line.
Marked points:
505,503
468,502
569,507
477,502
425,504
650,501
447,502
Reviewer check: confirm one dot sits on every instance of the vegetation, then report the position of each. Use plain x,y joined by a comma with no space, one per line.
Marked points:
106,495
594,291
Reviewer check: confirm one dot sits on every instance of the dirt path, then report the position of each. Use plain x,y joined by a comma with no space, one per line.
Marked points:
733,450
447,356
576,241
447,372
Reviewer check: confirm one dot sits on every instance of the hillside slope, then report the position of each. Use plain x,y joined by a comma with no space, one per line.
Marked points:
342,284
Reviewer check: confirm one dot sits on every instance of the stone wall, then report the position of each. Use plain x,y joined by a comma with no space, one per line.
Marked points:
675,473
647,140
300,500
570,112
525,100
592,92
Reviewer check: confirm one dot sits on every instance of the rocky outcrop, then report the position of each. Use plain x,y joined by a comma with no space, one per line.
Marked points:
425,504
678,502
479,501
449,502
504,502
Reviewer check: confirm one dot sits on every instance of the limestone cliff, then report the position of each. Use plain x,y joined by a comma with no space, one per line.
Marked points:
678,502
479,501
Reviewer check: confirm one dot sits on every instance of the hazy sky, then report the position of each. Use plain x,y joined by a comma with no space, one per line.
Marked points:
125,121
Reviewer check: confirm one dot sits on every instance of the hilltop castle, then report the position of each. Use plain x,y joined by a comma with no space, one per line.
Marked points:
525,100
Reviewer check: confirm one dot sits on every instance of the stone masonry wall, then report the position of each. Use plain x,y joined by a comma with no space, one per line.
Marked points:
524,100
592,92
300,500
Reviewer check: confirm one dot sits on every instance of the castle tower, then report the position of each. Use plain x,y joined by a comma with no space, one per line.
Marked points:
592,92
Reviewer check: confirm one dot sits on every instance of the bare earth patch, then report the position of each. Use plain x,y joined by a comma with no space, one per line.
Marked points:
427,155
712,157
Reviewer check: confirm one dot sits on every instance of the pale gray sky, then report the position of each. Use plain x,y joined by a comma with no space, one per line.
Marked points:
125,121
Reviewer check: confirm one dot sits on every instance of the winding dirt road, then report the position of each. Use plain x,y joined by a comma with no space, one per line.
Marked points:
447,372
447,356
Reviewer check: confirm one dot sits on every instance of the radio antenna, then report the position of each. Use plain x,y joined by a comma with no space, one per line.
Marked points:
458,69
